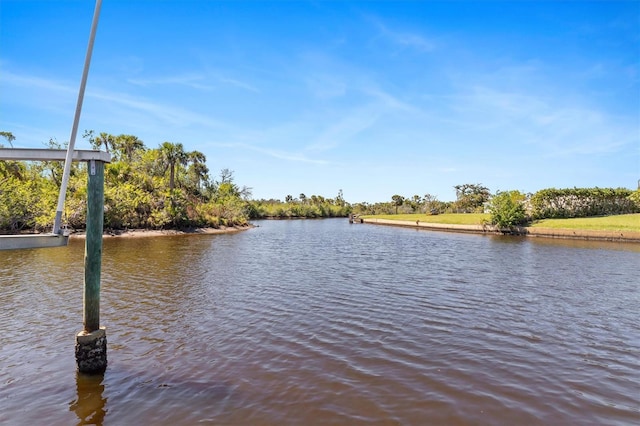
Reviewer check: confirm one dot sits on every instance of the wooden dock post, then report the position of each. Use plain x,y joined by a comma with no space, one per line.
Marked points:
91,342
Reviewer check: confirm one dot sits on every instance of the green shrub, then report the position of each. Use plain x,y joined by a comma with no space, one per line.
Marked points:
635,198
507,209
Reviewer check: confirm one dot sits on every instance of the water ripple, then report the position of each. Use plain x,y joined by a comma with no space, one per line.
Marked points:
320,322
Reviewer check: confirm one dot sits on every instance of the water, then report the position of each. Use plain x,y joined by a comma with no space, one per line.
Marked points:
322,322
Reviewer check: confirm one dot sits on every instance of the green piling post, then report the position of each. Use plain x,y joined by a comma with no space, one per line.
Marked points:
93,246
91,342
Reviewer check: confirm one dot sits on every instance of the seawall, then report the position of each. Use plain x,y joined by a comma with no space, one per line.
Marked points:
580,234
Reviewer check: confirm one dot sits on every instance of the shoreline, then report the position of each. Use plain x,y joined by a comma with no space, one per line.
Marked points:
574,234
144,233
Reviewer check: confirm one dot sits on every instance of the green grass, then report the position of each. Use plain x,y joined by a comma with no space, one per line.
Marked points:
450,218
623,222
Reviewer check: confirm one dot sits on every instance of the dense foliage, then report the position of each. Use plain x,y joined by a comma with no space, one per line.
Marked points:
169,187
405,205
471,198
164,187
507,209
511,208
582,202
308,207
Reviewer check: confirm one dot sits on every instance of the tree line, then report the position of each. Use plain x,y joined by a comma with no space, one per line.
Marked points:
151,188
170,187
513,208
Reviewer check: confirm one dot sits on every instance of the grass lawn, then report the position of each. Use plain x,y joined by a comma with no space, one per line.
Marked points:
452,218
623,222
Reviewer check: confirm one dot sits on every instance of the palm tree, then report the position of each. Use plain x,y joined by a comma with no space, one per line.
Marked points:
10,168
105,139
198,169
172,155
127,146
9,137
397,200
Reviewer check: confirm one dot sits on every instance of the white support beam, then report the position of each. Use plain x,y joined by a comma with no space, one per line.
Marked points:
43,154
27,241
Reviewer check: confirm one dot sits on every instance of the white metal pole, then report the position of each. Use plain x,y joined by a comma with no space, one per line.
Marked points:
74,130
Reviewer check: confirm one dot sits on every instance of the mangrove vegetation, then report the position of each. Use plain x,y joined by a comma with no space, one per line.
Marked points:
167,187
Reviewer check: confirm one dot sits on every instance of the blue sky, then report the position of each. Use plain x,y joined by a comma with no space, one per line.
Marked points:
374,98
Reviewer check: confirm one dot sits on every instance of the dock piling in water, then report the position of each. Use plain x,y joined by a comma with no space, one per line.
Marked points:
91,342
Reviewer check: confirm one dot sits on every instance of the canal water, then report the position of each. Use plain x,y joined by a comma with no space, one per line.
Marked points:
322,322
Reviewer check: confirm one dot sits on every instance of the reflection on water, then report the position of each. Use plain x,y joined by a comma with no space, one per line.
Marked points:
585,244
322,322
90,403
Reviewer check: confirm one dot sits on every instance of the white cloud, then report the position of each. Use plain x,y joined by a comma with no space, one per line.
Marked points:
194,81
168,114
32,82
404,39
239,84
349,126
274,153
550,124
190,80
326,86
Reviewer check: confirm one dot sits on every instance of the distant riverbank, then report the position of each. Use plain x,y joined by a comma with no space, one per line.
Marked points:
583,234
142,233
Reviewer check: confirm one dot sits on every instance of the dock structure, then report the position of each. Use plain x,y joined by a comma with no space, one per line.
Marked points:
354,218
27,241
52,239
91,343
45,154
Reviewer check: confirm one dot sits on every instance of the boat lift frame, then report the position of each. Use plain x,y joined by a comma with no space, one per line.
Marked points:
57,236
52,239
91,342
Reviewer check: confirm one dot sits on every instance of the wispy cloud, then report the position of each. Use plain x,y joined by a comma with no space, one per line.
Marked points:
167,114
279,154
346,122
356,120
411,40
388,100
346,129
239,84
32,82
404,39
326,86
555,127
194,81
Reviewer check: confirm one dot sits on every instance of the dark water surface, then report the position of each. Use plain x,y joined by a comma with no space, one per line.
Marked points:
322,322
